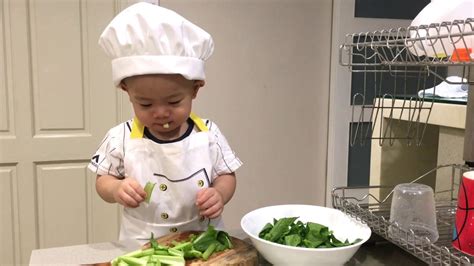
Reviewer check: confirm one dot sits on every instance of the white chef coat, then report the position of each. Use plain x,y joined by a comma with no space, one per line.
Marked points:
178,168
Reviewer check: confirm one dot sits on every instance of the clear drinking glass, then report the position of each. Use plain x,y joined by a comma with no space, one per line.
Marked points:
413,208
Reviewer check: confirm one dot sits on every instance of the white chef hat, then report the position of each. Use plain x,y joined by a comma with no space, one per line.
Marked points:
149,39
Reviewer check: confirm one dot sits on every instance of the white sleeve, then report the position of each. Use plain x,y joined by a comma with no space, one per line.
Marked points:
108,159
226,161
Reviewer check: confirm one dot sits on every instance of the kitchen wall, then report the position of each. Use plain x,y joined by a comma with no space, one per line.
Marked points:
268,89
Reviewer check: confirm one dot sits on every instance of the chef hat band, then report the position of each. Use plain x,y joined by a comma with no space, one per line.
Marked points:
149,39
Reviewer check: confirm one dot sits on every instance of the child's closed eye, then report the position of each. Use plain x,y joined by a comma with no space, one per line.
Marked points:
174,102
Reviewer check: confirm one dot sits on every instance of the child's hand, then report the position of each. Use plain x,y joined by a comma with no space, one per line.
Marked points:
129,193
209,202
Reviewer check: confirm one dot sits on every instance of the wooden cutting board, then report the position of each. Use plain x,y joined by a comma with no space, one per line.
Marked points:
241,254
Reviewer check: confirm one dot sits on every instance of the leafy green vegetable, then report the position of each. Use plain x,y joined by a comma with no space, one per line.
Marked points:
203,241
292,240
288,231
218,240
224,239
201,246
280,228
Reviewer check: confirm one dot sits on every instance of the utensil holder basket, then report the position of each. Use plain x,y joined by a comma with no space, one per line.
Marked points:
371,205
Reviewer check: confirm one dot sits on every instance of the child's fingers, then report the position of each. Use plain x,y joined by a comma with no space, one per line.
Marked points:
208,203
202,196
128,201
211,207
138,189
213,211
215,214
135,196
131,192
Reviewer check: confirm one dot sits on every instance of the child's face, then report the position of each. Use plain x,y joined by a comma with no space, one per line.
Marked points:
162,102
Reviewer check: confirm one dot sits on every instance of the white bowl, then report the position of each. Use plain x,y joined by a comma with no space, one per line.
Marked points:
343,227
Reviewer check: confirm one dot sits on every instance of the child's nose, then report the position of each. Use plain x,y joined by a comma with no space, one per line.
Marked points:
161,112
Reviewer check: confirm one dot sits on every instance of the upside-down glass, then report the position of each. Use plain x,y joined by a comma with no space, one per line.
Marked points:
413,208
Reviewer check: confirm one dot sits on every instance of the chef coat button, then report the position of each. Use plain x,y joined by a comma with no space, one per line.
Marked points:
173,229
164,215
163,187
200,183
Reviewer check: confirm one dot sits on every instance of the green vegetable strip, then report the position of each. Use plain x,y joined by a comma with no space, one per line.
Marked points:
155,244
170,260
183,245
209,251
176,252
161,252
191,254
122,263
140,253
134,261
153,261
148,189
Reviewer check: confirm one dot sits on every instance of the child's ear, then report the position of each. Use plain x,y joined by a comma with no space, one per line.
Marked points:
199,83
123,86
196,86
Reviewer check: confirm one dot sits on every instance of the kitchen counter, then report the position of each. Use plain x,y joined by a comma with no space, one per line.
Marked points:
378,251
373,252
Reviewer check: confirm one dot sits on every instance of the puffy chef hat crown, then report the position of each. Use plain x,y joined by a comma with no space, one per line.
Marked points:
149,39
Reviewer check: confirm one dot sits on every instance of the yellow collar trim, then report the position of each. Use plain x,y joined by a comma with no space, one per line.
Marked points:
198,122
138,128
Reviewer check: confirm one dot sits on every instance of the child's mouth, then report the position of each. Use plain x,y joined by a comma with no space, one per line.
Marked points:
167,125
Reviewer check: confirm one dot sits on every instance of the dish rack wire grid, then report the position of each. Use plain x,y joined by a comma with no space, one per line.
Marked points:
389,62
372,204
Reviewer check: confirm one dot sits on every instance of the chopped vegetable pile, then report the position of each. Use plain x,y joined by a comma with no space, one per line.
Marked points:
201,247
288,231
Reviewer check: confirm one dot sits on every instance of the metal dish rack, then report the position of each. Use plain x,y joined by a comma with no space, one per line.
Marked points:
371,205
402,54
392,65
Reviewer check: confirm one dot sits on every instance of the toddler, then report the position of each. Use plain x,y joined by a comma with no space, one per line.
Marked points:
158,60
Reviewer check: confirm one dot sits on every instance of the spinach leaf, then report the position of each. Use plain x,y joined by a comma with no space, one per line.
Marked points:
280,229
288,231
265,230
204,240
224,239
292,240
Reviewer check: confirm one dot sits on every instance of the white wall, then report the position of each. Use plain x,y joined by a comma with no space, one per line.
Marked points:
268,90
